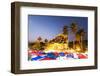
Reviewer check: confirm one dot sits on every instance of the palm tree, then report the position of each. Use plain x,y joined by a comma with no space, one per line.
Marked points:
39,39
74,30
81,33
38,44
65,30
46,40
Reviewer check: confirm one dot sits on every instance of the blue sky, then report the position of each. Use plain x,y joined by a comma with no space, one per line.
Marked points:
49,26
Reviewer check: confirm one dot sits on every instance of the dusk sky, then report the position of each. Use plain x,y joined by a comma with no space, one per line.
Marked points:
47,27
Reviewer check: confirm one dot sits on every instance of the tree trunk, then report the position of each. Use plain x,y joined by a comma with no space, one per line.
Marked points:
81,44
